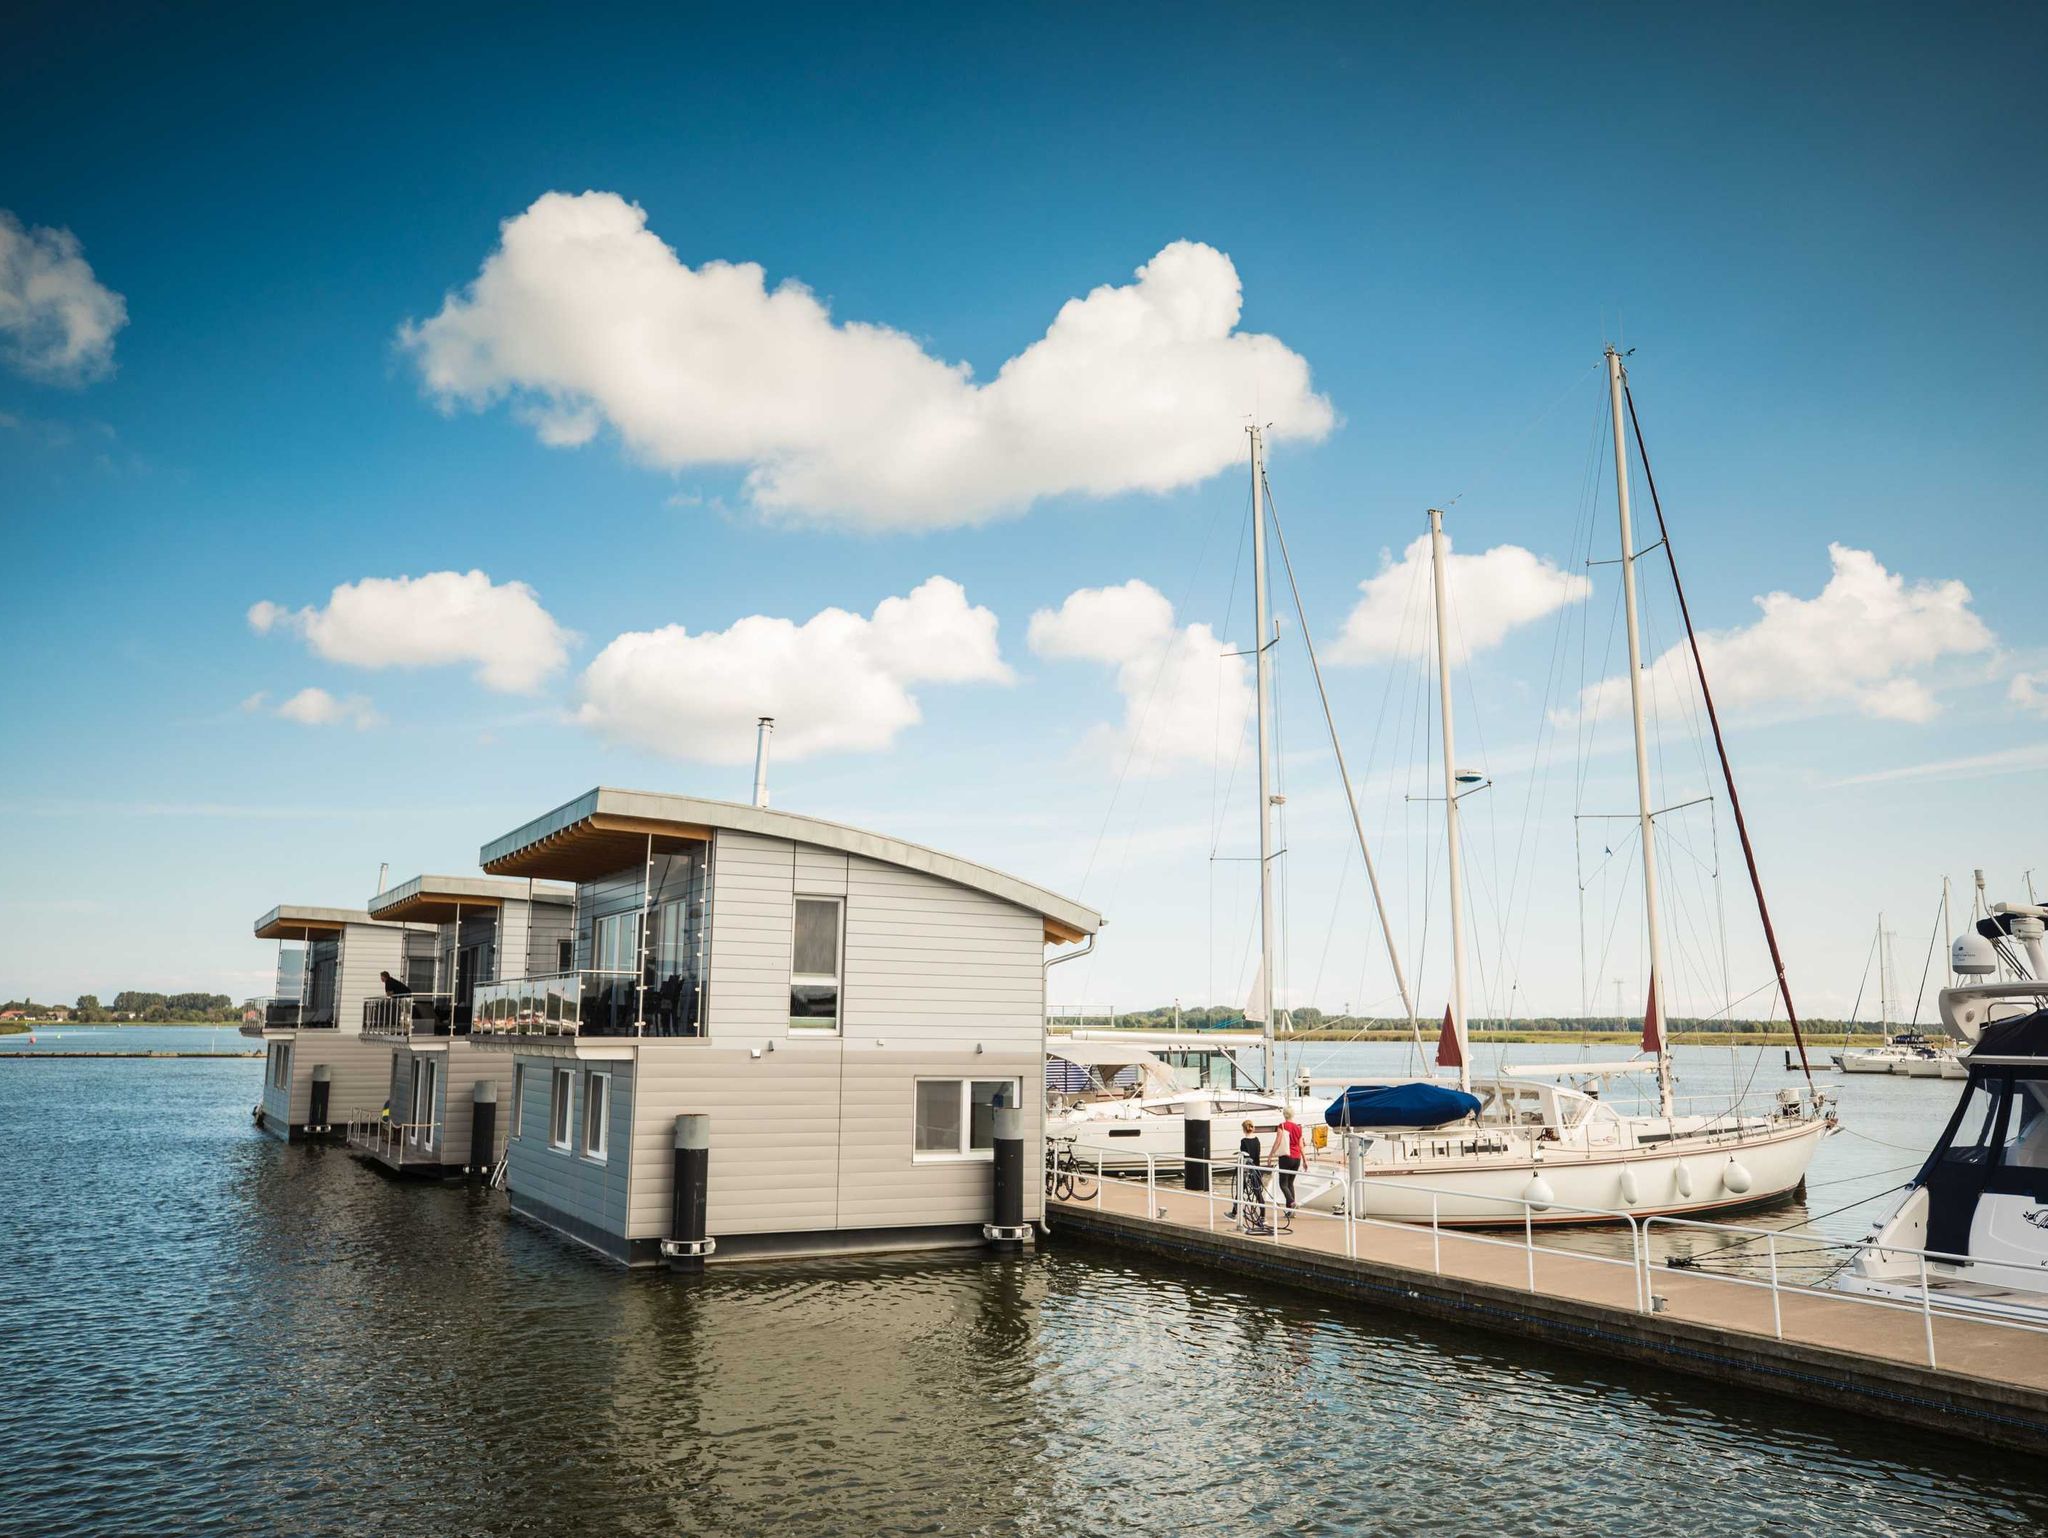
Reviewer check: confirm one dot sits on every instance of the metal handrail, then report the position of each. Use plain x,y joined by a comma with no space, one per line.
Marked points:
1640,1259
414,1014
392,1139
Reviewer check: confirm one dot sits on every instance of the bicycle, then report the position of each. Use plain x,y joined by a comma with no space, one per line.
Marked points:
1065,1178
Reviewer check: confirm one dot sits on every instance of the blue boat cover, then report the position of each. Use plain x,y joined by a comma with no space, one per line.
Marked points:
1399,1105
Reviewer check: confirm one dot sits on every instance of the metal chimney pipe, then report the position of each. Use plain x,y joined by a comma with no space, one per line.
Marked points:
766,729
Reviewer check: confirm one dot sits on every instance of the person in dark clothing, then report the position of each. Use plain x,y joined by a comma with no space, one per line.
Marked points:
1251,1182
393,988
1287,1141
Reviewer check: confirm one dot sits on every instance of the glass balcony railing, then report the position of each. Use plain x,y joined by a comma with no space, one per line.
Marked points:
416,1014
579,1003
291,1015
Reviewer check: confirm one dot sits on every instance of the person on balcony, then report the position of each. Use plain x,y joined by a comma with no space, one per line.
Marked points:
393,988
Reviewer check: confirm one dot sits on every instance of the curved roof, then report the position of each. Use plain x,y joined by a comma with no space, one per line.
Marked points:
604,830
295,921
435,899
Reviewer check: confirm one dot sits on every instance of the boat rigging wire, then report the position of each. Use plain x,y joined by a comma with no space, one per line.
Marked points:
1720,744
1343,773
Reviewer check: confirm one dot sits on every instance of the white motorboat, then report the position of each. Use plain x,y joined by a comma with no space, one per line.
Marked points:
1933,1063
1971,1233
1118,1104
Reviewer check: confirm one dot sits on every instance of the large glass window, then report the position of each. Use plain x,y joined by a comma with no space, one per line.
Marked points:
956,1117
323,969
814,964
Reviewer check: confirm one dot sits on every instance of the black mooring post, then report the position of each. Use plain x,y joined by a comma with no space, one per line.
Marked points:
483,1127
1194,1134
316,1111
687,1246
1006,1233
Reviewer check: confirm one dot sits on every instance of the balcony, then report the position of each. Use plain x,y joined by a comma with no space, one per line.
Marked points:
583,1003
416,1014
291,1015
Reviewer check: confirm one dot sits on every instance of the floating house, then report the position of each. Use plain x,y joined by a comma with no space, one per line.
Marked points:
839,1013
318,1064
473,929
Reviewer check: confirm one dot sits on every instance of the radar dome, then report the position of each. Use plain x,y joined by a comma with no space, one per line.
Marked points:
1972,956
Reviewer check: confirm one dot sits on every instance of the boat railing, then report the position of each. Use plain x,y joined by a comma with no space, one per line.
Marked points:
587,1001
1231,1196
415,1014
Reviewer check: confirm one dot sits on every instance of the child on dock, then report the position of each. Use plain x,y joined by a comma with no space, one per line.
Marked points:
1252,1182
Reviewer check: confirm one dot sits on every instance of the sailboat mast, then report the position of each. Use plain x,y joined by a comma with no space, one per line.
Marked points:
1651,917
1451,854
1262,669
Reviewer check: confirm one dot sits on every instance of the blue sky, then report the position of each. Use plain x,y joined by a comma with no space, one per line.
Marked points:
1823,234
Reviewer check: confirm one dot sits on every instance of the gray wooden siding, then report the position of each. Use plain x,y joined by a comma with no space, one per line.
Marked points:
753,881
366,950
463,1068
360,1074
774,1134
566,1181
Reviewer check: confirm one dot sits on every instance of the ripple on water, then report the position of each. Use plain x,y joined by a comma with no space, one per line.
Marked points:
206,1332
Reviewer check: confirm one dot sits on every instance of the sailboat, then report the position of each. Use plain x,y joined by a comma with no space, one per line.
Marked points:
1523,1145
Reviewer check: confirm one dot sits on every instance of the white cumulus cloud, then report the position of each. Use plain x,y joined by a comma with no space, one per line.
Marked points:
316,707
443,617
1862,644
837,683
1184,699
2029,691
583,316
1491,593
57,321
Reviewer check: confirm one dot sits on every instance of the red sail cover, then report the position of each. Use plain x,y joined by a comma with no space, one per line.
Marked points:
1653,1028
1447,1053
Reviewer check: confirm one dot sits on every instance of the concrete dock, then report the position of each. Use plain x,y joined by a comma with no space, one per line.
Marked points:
1989,1381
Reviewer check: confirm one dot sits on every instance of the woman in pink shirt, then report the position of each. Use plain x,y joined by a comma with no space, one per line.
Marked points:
1287,1154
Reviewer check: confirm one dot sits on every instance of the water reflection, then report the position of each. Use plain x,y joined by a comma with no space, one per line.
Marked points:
209,1332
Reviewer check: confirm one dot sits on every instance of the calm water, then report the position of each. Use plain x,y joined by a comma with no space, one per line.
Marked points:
130,1038
207,1332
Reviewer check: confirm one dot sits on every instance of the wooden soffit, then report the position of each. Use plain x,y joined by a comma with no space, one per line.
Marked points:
595,846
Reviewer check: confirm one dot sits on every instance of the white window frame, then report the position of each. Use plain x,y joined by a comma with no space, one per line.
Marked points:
518,1098
280,1065
562,1110
595,1143
965,1153
808,1027
426,1074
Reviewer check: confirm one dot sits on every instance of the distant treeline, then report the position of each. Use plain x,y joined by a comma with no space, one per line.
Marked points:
1216,1018
130,1004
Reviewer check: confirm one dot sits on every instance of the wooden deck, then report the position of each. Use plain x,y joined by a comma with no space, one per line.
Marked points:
1986,1380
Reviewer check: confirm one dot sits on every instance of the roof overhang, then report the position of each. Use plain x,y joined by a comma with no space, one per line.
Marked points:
291,921
441,899
605,830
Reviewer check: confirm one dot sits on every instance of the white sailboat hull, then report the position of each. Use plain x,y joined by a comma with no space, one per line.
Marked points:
1692,1175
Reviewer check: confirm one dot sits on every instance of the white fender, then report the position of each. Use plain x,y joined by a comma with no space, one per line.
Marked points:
1684,1179
1537,1193
1736,1178
1629,1194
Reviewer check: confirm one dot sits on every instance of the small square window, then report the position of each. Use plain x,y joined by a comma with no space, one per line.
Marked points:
956,1118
